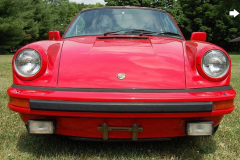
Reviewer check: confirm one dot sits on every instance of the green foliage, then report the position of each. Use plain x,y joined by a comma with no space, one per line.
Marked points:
12,28
42,15
93,5
123,2
22,22
212,16
26,21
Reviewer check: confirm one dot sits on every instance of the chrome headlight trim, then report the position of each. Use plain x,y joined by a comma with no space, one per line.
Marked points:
215,63
28,62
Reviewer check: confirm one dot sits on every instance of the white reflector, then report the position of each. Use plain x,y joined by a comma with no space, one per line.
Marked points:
199,128
41,127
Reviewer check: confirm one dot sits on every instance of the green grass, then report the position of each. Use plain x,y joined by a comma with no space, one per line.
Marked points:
15,143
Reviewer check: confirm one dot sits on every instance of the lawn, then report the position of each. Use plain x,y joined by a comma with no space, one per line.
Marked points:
16,143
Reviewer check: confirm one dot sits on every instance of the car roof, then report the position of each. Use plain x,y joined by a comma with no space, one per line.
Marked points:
124,7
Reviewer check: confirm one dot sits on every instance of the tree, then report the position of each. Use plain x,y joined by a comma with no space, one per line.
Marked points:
93,5
22,22
200,16
43,18
63,12
123,2
15,25
25,21
212,16
231,23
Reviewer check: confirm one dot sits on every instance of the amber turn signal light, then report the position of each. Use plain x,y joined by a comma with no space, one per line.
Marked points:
218,105
19,102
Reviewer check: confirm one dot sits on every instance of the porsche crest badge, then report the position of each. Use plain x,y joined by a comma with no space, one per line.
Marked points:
121,75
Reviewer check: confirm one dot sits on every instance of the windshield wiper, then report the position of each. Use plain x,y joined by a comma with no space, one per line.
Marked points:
147,33
141,31
106,33
171,33
161,33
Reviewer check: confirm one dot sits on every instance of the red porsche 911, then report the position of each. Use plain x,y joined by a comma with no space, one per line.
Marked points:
122,73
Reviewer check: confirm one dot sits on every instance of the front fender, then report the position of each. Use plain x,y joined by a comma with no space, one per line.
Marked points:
193,78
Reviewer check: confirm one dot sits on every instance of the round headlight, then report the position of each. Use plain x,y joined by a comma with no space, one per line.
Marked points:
28,62
215,63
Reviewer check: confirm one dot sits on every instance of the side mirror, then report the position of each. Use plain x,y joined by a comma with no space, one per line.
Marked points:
199,36
54,35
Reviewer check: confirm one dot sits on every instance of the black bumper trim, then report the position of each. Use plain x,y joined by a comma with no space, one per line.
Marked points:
126,90
121,107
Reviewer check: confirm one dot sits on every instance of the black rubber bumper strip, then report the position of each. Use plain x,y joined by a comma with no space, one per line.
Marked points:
123,90
121,107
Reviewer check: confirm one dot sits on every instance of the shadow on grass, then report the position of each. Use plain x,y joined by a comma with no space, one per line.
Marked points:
55,146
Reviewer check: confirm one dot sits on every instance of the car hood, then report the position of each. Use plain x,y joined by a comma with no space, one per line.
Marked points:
146,62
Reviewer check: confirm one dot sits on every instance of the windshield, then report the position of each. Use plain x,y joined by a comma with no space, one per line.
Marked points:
120,21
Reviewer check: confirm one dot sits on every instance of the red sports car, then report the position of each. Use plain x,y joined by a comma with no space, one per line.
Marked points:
122,73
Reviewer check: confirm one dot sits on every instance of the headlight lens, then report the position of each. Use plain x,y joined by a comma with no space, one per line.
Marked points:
215,63
28,62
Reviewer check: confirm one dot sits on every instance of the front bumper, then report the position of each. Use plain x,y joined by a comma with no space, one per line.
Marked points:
160,114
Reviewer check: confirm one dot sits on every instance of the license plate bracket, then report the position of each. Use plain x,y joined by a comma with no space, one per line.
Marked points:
134,129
